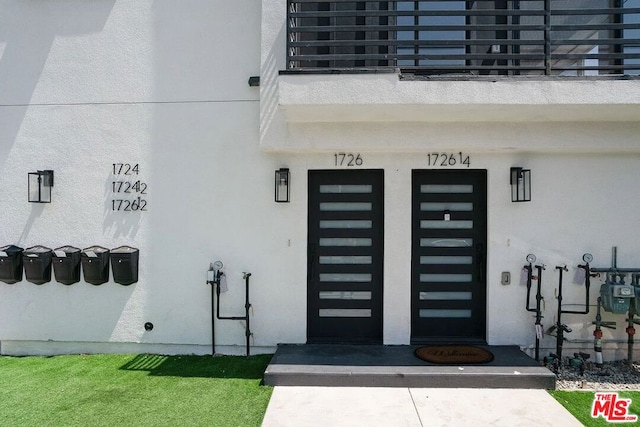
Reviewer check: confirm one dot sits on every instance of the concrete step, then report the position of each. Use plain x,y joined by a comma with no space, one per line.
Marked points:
396,366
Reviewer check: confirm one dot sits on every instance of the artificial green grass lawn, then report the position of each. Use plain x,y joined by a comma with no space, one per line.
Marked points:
128,390
579,403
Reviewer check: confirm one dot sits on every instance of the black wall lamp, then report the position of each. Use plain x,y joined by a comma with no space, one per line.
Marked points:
520,185
282,184
39,186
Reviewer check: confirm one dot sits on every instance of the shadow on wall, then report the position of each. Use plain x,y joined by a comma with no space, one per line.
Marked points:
269,87
27,32
36,211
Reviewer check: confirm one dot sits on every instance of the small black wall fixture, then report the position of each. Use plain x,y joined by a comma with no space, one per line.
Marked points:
282,185
254,81
40,184
520,185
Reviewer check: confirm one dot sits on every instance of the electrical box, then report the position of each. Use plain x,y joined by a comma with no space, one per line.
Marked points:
11,264
95,264
66,265
616,298
37,264
124,265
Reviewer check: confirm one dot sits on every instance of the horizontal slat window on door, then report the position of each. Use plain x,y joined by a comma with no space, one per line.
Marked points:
440,224
341,295
347,259
341,241
345,206
345,277
427,260
445,243
346,189
446,206
434,312
453,278
346,224
344,312
446,188
445,296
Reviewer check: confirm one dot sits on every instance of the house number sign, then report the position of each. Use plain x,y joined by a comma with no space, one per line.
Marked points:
448,159
127,189
347,159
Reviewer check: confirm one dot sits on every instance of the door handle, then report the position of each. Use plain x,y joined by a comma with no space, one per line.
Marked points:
480,262
313,255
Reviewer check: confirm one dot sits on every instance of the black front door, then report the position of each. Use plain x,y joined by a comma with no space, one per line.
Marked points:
345,250
449,228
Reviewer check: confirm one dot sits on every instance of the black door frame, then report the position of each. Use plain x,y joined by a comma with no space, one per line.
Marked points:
327,329
450,329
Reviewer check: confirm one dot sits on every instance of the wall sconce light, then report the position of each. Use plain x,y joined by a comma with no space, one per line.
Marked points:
39,186
282,184
520,185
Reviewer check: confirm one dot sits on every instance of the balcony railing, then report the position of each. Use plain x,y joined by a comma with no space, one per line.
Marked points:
474,37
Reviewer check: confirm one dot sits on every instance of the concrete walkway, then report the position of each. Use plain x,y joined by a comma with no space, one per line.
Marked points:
390,407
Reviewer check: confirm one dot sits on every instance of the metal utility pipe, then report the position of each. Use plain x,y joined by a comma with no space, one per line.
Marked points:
561,328
597,334
537,310
247,306
215,280
616,270
213,324
587,284
631,331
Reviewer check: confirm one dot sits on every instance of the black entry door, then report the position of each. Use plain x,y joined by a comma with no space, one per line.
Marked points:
448,290
345,249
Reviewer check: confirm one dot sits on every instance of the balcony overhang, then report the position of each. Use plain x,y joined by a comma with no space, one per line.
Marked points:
393,97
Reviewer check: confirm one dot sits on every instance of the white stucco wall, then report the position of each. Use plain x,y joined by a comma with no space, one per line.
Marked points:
164,84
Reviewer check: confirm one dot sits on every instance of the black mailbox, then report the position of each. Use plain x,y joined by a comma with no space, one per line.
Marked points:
37,264
66,264
124,265
10,264
95,264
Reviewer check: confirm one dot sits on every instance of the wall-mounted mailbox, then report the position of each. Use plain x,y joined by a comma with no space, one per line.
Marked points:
66,264
95,264
124,265
616,298
37,264
10,264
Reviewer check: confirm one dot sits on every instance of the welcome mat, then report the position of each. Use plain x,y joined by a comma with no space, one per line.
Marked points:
454,354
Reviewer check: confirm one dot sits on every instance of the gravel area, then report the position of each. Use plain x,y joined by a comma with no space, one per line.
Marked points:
620,375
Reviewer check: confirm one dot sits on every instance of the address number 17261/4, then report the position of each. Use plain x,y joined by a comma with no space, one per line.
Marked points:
448,159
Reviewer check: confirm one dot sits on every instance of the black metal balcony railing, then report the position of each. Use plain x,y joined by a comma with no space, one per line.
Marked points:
476,37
